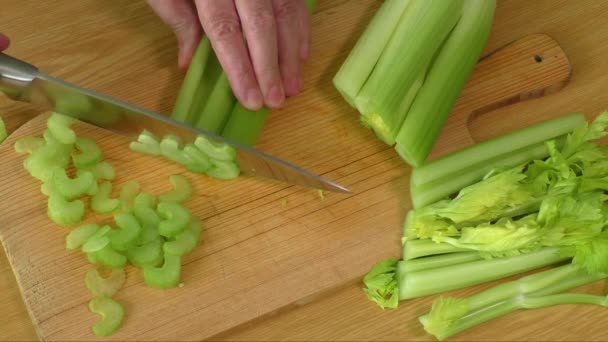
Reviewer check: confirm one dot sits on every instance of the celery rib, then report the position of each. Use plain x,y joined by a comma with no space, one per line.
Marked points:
244,126
444,82
417,37
218,107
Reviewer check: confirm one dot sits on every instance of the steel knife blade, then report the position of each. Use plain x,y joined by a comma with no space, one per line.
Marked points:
25,82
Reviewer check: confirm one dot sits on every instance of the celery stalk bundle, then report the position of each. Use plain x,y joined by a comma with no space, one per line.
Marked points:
519,215
409,66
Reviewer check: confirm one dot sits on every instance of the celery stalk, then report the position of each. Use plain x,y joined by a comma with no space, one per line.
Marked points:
445,80
218,106
443,187
421,248
437,261
443,279
3,132
183,103
245,126
480,153
454,315
213,70
365,54
415,41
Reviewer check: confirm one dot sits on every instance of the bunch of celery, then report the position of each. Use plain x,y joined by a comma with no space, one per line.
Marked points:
409,66
523,214
152,233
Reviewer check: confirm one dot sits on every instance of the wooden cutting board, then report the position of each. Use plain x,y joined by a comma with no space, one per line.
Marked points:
259,255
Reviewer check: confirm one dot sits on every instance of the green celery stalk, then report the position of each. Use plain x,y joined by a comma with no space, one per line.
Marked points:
437,261
213,70
383,100
413,249
218,107
444,81
365,54
452,316
479,154
441,188
187,93
3,133
245,126
443,279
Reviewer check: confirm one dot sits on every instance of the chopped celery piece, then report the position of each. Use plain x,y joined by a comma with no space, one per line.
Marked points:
478,154
107,256
175,218
362,59
42,162
94,189
28,144
224,170
111,312
218,107
77,237
443,279
128,193
170,149
190,84
144,199
97,241
244,126
72,187
92,257
146,143
200,162
164,277
104,286
90,154
385,97
48,188
182,190
381,284
59,126
148,254
101,202
185,241
149,232
63,212
216,151
102,170
420,129
126,236
3,133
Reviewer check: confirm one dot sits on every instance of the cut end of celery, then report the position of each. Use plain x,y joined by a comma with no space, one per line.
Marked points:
379,126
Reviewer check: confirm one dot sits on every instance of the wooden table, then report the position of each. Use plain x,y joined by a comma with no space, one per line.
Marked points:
42,31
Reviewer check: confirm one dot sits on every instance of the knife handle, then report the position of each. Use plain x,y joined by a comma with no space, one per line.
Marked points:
15,75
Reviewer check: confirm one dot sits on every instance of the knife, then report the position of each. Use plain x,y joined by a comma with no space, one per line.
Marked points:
24,82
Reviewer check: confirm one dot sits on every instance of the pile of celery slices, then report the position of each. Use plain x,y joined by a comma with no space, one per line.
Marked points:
149,232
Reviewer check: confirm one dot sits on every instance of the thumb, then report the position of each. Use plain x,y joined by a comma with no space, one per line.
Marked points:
182,17
4,42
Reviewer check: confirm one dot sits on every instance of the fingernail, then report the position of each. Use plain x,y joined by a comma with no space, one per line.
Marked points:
254,99
292,86
276,96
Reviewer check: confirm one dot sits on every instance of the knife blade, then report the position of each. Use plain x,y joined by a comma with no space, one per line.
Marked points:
25,82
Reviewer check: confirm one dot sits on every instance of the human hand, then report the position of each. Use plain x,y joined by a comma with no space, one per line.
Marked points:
4,42
263,69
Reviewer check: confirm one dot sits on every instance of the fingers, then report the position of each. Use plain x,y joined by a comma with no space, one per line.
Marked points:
181,16
221,24
4,42
259,27
304,30
288,22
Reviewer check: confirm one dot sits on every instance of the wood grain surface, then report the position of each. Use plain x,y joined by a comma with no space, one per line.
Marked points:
120,48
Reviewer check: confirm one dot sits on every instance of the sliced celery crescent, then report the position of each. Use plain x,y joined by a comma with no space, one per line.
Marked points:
182,190
111,312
